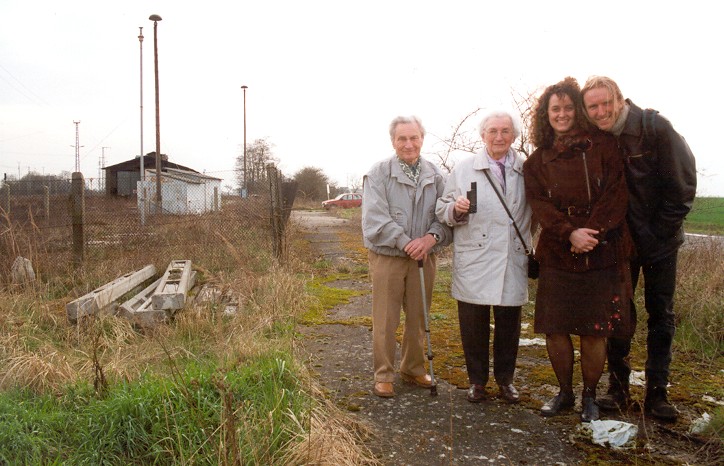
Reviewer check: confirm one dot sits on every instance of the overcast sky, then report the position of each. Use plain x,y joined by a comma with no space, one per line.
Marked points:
326,77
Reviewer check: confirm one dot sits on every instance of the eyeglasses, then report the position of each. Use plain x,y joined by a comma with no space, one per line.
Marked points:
494,132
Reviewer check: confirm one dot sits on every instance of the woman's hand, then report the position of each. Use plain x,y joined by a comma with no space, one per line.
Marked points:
461,206
583,240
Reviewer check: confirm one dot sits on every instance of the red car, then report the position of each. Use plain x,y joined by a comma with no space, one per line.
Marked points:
344,201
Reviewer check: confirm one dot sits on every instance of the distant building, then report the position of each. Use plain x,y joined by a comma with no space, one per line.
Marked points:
183,191
121,178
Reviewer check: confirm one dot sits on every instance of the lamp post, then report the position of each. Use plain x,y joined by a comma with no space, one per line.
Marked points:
142,192
243,188
156,19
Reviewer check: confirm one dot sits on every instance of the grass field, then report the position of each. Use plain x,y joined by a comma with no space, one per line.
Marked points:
706,216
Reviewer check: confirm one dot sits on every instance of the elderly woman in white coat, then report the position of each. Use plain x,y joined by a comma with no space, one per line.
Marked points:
489,260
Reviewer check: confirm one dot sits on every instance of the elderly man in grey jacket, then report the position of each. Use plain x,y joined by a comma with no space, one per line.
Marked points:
400,228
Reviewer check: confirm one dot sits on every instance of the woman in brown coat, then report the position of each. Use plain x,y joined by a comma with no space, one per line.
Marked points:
575,185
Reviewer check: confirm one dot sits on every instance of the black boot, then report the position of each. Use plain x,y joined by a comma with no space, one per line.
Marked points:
564,400
617,398
657,404
589,411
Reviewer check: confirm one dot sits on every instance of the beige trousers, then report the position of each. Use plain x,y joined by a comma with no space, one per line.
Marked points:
395,286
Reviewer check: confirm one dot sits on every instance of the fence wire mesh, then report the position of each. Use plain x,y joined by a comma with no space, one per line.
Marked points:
199,221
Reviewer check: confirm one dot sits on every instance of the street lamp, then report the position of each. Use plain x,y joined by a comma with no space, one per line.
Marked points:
140,45
156,19
142,192
243,188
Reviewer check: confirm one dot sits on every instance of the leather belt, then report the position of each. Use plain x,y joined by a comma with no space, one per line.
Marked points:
573,211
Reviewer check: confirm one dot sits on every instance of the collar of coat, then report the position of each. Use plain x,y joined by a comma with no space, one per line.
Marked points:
567,145
426,176
480,161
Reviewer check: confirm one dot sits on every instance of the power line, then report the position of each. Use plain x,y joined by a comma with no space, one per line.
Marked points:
19,91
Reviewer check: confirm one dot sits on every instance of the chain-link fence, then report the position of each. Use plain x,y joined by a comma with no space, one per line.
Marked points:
74,222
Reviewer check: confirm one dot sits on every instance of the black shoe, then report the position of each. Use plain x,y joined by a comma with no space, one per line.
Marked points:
657,404
558,403
589,410
476,393
509,393
616,399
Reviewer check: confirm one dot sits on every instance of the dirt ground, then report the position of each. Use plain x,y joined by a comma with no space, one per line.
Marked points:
417,428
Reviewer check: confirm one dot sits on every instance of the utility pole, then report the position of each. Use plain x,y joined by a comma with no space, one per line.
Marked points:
77,147
159,204
243,188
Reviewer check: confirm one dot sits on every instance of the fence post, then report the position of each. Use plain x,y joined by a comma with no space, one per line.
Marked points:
46,202
280,209
7,199
216,199
276,210
77,203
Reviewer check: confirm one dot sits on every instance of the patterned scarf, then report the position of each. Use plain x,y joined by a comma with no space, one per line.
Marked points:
412,171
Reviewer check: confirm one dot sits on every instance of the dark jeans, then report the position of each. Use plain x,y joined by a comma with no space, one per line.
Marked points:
475,333
659,287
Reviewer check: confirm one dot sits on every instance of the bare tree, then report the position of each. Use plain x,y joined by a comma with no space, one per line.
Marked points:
460,139
355,183
463,138
524,104
258,155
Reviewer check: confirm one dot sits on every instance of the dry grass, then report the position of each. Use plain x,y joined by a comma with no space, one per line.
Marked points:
41,372
42,352
700,300
332,438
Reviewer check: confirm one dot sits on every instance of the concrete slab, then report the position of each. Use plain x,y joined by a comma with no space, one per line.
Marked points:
175,284
102,297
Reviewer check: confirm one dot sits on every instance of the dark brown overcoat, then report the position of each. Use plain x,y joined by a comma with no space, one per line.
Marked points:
582,186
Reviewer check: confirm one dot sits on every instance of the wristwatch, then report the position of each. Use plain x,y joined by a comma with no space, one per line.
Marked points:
436,236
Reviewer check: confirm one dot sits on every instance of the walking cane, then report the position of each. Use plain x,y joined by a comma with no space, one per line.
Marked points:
433,387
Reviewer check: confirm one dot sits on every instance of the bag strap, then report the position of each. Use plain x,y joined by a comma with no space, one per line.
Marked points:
528,252
649,128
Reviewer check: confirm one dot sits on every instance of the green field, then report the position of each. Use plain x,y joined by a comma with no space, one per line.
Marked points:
706,216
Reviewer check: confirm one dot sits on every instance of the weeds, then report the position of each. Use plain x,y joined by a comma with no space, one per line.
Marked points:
700,300
210,387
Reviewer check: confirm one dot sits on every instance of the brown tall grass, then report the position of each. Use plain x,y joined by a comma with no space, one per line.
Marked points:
332,439
247,310
700,300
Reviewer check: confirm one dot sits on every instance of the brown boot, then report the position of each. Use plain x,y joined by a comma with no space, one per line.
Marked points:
657,404
617,398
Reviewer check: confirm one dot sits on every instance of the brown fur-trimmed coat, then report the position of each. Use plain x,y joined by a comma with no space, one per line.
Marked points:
557,191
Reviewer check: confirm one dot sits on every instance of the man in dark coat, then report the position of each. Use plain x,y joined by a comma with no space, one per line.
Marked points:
661,178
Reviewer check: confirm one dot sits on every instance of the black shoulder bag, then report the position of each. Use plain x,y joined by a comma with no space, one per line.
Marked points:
533,265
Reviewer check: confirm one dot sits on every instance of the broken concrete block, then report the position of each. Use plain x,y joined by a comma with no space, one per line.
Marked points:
22,271
175,284
100,298
148,317
128,308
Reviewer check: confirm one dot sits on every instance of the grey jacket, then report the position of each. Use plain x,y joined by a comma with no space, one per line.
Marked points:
395,210
489,261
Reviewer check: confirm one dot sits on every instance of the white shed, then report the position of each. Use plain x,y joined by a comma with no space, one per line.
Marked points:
183,192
